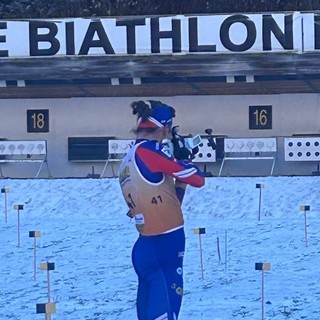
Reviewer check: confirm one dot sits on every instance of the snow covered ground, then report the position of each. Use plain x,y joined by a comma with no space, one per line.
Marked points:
86,233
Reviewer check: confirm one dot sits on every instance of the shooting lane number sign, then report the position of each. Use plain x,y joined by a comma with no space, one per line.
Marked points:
260,117
38,120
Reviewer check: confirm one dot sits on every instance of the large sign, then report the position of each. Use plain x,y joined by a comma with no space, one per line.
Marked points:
279,32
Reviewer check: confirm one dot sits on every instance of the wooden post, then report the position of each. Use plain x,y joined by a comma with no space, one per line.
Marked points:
5,191
34,235
201,259
49,266
18,207
305,208
262,267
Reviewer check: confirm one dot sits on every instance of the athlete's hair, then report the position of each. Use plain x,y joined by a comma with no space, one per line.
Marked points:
151,115
141,109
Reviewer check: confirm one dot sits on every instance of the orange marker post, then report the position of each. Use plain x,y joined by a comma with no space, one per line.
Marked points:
200,231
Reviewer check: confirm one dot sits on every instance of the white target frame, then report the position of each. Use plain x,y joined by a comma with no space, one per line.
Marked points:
302,149
206,153
250,149
24,151
117,149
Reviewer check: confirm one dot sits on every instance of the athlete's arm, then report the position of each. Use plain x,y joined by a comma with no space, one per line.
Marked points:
155,158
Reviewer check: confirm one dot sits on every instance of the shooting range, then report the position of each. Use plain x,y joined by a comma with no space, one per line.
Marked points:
245,94
246,83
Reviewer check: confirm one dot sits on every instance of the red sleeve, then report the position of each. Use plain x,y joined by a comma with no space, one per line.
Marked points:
158,161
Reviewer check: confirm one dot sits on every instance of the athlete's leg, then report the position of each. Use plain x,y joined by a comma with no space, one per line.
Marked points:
153,297
142,299
172,268
158,262
138,261
159,297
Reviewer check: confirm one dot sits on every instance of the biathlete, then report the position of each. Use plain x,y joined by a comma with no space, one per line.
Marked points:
153,184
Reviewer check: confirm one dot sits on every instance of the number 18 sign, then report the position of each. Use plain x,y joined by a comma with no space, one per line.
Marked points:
38,120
